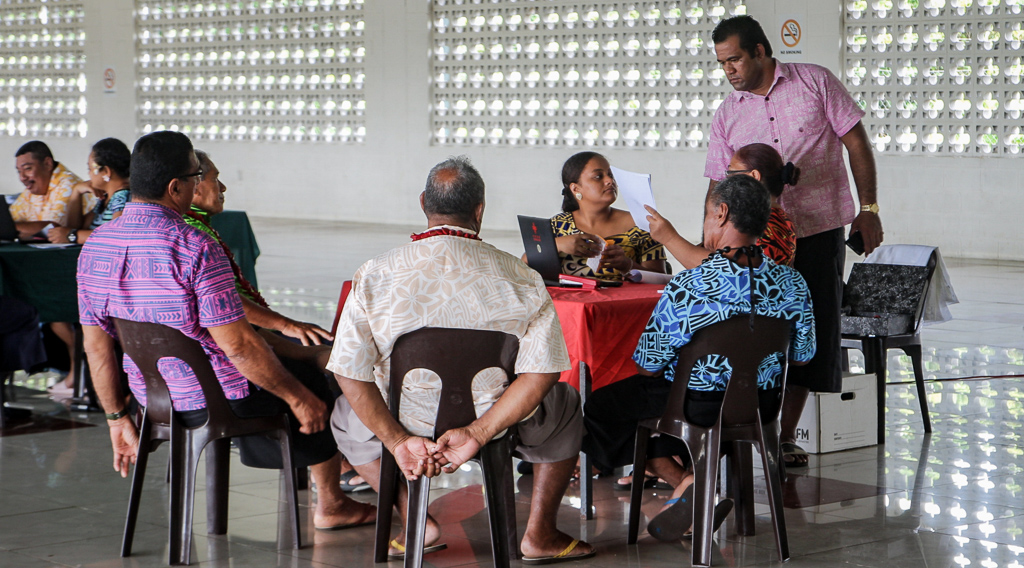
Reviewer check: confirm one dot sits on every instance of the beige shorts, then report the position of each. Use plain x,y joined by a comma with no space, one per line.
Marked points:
554,432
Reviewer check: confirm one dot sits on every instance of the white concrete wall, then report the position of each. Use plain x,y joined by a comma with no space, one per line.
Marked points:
966,206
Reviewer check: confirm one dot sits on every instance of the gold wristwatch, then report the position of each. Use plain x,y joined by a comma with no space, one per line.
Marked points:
871,207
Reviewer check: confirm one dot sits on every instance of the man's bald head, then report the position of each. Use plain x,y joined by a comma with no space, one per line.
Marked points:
454,190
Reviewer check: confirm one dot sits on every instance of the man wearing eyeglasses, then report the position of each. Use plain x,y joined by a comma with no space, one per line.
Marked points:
149,265
806,114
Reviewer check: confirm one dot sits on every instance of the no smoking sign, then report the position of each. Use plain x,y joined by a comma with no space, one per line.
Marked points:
109,80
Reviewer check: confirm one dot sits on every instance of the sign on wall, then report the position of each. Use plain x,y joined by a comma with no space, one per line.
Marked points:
109,80
790,35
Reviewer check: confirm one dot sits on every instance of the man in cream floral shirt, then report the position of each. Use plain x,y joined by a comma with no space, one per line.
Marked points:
448,277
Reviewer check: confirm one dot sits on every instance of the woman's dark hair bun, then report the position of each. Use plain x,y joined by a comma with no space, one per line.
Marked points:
790,174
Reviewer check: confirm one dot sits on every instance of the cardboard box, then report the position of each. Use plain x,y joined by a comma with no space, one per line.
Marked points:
840,421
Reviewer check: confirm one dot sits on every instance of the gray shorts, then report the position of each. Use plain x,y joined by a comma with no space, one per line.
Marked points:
554,432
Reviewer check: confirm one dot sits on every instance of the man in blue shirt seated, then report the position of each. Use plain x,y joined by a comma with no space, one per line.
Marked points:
732,279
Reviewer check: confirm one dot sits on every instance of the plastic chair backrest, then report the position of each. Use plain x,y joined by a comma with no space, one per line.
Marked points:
915,289
346,288
147,343
745,349
455,355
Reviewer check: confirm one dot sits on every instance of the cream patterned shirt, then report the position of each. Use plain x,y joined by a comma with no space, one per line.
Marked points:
53,206
444,281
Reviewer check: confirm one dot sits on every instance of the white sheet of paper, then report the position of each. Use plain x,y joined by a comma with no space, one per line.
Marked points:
636,190
594,262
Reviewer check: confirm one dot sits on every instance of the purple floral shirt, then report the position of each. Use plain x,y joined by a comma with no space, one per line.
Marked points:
803,116
149,265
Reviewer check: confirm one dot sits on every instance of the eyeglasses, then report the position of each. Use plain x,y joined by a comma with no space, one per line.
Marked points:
198,174
736,172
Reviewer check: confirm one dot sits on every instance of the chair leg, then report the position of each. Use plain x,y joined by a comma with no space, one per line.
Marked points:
705,478
586,488
291,485
182,486
138,477
770,459
740,485
385,504
636,491
866,345
3,409
914,352
878,353
218,463
496,464
586,480
416,521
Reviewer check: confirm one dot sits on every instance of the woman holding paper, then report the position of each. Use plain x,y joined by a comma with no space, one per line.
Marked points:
592,237
763,163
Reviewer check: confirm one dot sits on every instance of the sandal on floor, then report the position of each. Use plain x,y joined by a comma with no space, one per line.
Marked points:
563,556
650,482
401,549
670,524
676,522
348,487
793,451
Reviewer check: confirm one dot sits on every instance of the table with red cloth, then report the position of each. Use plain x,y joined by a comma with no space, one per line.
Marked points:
602,327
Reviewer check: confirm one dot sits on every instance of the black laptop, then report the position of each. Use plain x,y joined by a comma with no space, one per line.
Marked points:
542,253
8,230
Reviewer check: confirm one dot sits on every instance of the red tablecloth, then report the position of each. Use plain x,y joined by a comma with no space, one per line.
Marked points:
601,328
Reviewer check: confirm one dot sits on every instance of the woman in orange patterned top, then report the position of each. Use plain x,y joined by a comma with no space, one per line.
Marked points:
763,163
589,226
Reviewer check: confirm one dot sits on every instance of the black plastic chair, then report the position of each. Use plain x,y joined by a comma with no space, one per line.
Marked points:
146,344
455,355
885,305
740,421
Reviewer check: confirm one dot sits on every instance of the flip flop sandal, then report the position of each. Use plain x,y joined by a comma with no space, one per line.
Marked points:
670,524
401,549
792,450
348,487
650,482
560,557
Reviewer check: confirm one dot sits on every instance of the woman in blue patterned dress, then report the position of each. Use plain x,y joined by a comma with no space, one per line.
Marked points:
588,223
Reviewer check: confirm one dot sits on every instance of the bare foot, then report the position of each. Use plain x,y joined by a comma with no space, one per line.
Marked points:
430,537
551,544
343,514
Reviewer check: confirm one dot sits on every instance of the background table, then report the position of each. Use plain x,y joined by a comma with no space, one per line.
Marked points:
601,329
236,231
44,278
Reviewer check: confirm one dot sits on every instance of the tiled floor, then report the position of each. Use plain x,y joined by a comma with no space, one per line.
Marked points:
953,499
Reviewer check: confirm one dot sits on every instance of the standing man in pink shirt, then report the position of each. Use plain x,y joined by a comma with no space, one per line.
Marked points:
805,113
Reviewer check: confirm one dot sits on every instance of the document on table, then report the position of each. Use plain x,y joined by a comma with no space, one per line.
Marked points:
636,190
52,245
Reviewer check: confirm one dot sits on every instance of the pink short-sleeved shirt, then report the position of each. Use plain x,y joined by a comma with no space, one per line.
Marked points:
149,265
803,116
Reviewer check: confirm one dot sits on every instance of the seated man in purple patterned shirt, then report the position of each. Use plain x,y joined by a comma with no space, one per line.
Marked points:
149,265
